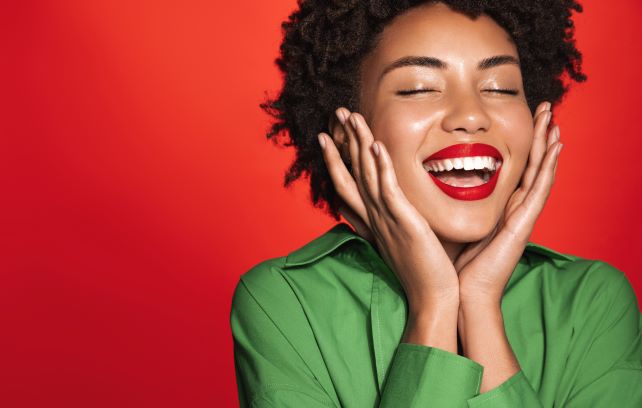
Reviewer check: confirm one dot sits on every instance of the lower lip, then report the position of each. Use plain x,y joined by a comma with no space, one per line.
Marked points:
469,193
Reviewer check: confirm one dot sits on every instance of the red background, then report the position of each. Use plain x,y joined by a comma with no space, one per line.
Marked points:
137,185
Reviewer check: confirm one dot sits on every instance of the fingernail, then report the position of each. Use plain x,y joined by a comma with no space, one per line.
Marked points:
375,147
557,133
341,115
549,114
548,106
321,140
559,149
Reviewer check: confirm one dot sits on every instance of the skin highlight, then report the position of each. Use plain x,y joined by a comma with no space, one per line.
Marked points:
452,257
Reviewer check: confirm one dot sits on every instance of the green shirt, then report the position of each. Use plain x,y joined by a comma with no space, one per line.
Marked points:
322,328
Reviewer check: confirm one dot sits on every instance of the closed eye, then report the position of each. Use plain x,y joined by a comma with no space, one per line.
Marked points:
414,91
417,91
503,91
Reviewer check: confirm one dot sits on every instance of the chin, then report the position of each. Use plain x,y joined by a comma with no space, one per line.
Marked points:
463,230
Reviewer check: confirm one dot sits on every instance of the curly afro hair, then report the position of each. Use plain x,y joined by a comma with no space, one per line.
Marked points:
325,41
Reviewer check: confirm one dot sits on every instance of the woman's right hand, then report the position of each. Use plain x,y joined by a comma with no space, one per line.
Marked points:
402,235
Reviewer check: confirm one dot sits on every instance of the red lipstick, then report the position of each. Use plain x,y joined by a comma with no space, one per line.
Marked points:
467,150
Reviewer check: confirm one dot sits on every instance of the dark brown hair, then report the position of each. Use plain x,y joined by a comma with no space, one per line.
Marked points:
325,40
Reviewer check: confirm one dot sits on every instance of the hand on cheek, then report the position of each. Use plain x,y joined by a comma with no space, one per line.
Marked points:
376,205
485,267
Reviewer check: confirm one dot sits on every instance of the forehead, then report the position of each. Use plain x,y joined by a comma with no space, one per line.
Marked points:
437,31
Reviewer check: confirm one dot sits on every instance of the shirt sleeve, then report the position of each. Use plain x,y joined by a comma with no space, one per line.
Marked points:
514,392
610,374
424,376
270,373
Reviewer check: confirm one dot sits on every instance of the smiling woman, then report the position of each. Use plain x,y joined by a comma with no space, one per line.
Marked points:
435,142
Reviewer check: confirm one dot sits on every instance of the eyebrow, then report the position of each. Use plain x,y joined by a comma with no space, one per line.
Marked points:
432,62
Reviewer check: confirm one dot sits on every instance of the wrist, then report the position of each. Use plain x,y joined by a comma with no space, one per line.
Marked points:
424,305
474,298
479,311
433,327
476,320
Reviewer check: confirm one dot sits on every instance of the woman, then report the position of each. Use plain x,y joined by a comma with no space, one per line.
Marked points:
441,154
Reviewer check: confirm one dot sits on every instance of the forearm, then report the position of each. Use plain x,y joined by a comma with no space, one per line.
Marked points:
481,328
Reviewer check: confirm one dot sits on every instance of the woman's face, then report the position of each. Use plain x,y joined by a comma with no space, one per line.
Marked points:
456,102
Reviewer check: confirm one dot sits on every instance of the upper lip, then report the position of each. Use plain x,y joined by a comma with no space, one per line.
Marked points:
466,150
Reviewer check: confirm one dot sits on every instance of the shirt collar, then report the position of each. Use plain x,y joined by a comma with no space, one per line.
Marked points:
342,233
323,245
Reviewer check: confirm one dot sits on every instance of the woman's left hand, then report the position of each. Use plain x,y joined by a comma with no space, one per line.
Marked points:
484,267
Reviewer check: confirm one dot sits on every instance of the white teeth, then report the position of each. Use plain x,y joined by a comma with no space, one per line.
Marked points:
486,162
466,163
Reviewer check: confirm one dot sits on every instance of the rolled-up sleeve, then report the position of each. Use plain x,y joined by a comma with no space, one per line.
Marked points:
514,392
422,376
610,371
269,372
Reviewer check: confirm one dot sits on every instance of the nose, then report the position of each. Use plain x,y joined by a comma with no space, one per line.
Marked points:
466,113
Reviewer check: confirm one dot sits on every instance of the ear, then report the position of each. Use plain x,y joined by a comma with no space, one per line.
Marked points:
339,136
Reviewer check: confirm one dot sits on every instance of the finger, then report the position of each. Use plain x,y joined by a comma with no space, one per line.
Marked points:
520,192
354,148
538,149
557,161
351,145
544,106
395,204
369,170
553,136
390,192
343,181
342,144
536,198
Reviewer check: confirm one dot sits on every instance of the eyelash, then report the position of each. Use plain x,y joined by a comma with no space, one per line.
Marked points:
404,92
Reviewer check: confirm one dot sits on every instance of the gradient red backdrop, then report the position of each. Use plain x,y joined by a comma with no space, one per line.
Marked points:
138,185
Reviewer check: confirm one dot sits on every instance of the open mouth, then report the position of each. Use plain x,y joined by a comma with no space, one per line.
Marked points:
463,171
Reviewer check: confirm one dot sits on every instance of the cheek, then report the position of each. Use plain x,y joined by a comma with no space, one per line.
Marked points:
518,131
516,125
401,127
